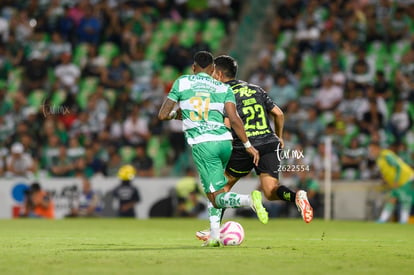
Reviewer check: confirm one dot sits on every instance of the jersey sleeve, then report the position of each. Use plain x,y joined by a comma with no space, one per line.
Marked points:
230,96
393,162
268,102
174,94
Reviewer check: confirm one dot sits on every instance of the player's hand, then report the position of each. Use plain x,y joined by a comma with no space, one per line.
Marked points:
282,143
254,153
179,114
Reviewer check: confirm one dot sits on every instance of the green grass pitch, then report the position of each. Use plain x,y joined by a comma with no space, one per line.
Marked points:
168,246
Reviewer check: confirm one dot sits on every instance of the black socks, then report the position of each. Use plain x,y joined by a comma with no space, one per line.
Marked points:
285,194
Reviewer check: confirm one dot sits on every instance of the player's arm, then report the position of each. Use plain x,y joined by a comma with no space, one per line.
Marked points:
392,162
166,112
276,113
227,122
279,120
237,125
167,109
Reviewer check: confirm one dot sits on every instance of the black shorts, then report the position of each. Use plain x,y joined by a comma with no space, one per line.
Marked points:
241,163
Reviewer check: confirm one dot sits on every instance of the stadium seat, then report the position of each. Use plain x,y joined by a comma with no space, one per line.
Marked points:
411,110
389,137
110,95
51,77
190,25
58,97
212,40
36,98
323,64
80,53
167,25
88,84
306,81
154,53
14,80
167,28
158,148
214,24
189,28
284,39
168,73
308,65
127,153
390,106
159,39
409,140
108,50
398,49
214,28
186,38
86,88
188,70
3,83
82,99
377,47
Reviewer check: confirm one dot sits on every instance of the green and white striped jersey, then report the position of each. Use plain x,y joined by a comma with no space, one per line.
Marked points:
201,99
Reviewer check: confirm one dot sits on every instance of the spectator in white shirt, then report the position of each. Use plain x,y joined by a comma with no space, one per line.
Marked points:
58,46
307,34
400,121
328,96
318,162
362,70
4,29
67,74
136,130
19,163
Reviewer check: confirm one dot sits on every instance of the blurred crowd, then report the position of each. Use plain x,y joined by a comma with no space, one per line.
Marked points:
80,87
342,69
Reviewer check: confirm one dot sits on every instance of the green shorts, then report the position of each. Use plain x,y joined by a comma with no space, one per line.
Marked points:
405,193
211,159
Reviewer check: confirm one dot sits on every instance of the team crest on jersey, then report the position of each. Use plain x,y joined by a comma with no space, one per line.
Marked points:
244,91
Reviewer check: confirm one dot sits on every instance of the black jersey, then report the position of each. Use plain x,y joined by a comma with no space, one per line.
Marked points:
253,106
126,193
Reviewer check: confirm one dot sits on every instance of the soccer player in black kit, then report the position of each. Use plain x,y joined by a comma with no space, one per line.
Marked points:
254,107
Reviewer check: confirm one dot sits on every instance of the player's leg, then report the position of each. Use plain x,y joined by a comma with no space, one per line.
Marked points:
231,181
222,199
389,207
269,179
208,162
406,199
211,160
235,200
203,235
239,165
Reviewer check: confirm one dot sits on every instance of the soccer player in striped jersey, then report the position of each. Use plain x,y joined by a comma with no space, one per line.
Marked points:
255,108
203,101
399,177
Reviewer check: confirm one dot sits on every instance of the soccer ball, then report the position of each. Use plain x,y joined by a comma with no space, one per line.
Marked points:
231,233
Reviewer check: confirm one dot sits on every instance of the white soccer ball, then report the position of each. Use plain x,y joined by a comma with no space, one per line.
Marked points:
231,233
